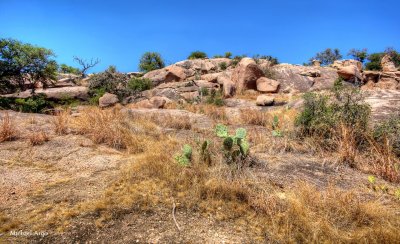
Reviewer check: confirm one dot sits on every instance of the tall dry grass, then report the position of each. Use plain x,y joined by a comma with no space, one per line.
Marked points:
60,122
115,129
8,129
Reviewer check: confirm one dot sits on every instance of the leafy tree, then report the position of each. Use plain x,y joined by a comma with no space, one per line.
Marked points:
151,61
374,61
328,56
22,63
66,69
228,55
86,65
358,54
197,54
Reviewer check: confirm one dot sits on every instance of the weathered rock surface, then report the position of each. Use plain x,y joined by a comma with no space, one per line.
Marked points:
108,100
387,64
267,85
350,73
173,73
78,92
264,100
245,75
292,78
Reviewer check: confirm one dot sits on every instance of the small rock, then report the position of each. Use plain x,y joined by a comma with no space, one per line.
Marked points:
264,100
107,100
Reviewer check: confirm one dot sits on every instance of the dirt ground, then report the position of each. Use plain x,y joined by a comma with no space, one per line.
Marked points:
69,169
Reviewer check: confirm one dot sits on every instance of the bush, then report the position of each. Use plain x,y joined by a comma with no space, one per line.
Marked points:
228,55
151,61
139,84
389,130
223,66
215,98
35,104
197,55
109,81
269,58
328,56
323,114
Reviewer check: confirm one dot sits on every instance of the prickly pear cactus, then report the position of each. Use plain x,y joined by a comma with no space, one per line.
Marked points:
185,157
221,130
235,146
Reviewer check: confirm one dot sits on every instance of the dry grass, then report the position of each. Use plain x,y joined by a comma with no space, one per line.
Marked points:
38,138
214,112
381,160
114,129
170,121
255,117
60,122
299,214
8,132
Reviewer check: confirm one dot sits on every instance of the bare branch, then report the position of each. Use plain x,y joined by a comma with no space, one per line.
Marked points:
85,64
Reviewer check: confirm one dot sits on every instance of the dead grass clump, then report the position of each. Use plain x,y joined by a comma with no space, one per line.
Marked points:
60,122
347,145
312,216
217,113
114,129
255,117
382,161
8,131
179,122
38,138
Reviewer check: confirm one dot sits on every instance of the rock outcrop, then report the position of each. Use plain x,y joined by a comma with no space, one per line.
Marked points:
245,75
76,92
387,64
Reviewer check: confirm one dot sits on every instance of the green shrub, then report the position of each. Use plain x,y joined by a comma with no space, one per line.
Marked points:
215,98
374,62
323,114
95,95
139,84
223,66
151,61
35,104
109,81
228,55
197,55
390,130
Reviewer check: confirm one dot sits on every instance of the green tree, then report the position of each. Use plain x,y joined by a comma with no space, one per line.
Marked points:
328,56
151,61
22,63
197,55
228,55
358,54
374,61
66,69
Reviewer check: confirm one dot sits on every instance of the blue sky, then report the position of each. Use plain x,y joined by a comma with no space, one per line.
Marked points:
118,32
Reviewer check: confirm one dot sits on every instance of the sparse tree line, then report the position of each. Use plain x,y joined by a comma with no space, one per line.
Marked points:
23,65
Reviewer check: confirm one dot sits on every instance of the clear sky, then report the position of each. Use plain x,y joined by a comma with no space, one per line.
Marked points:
119,31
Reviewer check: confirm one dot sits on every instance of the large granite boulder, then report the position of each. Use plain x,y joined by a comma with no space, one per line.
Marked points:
387,64
267,85
245,75
173,73
76,92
